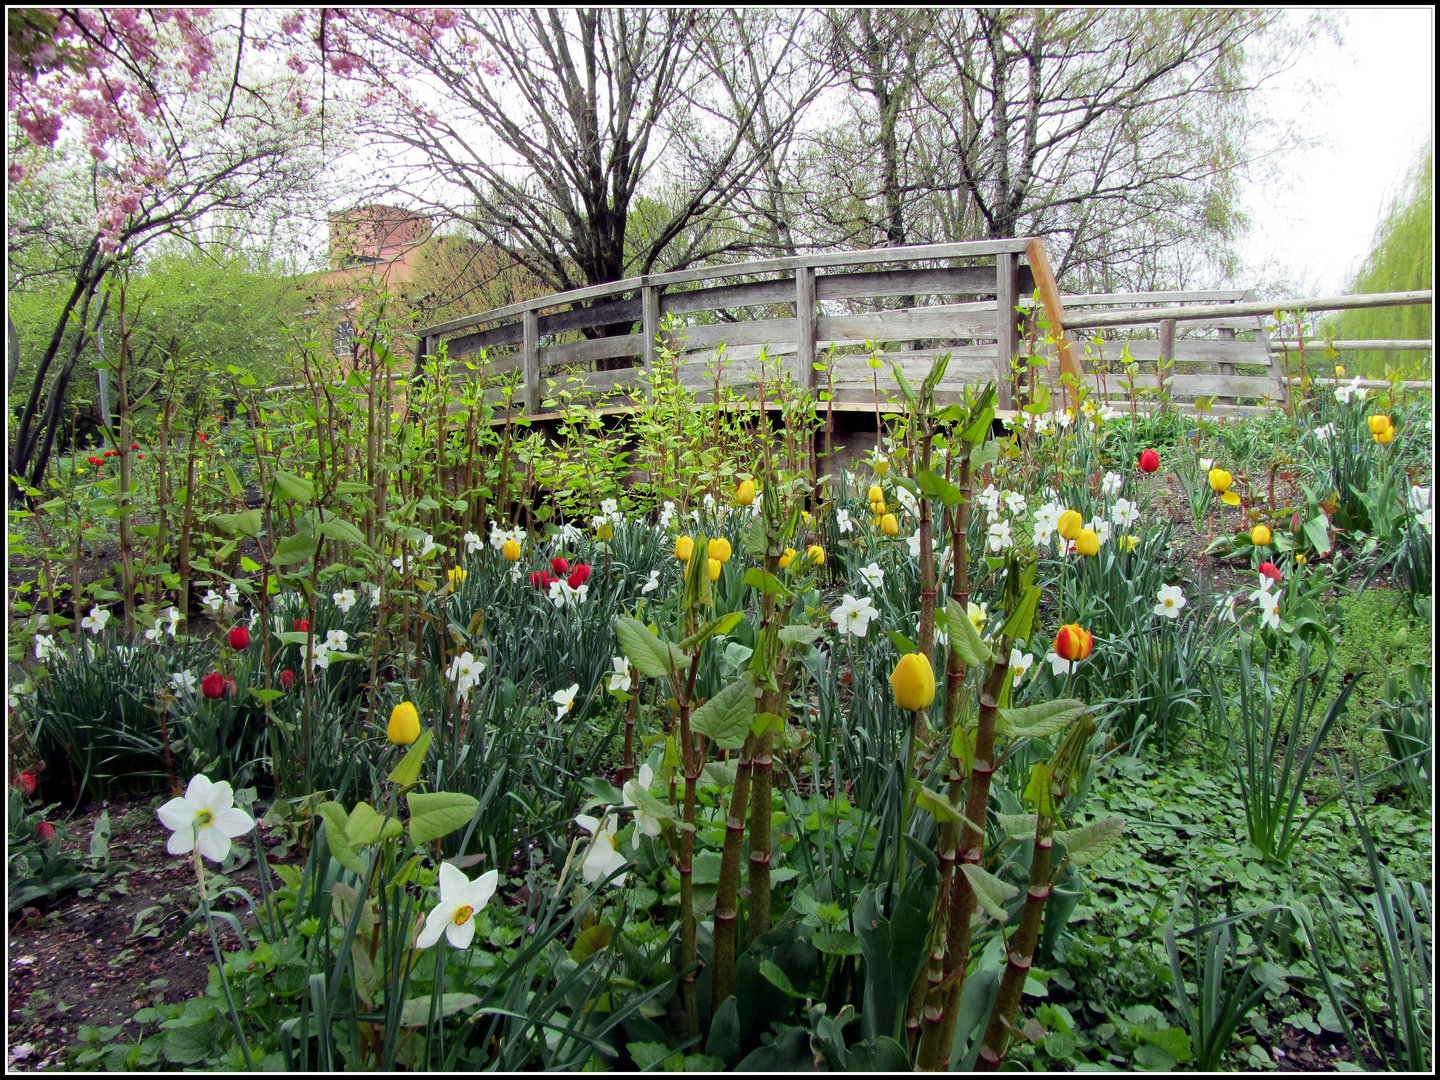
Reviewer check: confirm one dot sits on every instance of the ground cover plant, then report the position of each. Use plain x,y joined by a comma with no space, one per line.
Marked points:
1067,741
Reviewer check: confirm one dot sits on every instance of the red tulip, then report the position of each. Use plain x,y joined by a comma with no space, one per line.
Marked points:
212,685
579,575
560,566
140,456
287,679
45,831
1149,461
230,688
134,446
302,626
93,460
541,580
239,638
1270,570
1073,643
28,784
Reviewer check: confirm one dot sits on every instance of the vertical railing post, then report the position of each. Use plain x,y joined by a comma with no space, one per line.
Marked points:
650,325
805,327
531,346
1039,262
1007,333
1226,370
1165,363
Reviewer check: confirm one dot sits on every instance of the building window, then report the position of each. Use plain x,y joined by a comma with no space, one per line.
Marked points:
345,339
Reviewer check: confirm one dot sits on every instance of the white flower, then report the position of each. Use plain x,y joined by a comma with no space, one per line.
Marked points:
853,615
428,546
183,682
842,521
873,575
1169,601
1270,609
473,543
213,600
620,677
1106,414
96,620
1100,527
914,543
1321,434
1124,513
564,700
989,498
1346,391
708,501
172,618
44,646
516,571
1042,424
1420,504
597,520
1058,664
344,599
569,534
1064,419
1015,502
460,899
998,537
603,856
645,823
561,594
465,671
1020,663
498,536
320,657
1227,608
206,815
336,640
374,595
1047,520
1206,464
232,594
652,584
1110,485
667,512
1262,594
908,501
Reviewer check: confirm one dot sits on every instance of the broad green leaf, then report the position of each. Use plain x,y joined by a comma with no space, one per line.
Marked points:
803,635
936,486
964,638
293,549
765,581
231,480
590,941
364,826
339,529
408,770
643,648
438,814
836,942
1018,826
984,455
766,721
725,718
777,978
249,565
1038,790
1088,843
962,746
350,487
1023,617
249,523
903,643
1318,534
990,892
336,833
416,1012
1038,721
938,805
722,625
293,637
266,696
293,487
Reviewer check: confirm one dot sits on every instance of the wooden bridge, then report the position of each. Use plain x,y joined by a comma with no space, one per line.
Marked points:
824,316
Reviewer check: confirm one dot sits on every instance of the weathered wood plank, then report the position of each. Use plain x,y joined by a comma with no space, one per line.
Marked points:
650,322
497,365
1091,320
1007,325
754,332
855,369
531,360
1192,385
978,280
1188,350
805,327
619,311
1377,345
486,339
1191,296
594,382
941,321
575,352
750,293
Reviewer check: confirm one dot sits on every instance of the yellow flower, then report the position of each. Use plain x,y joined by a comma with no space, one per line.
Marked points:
889,526
1229,498
1339,370
404,726
1069,524
683,547
877,508
816,554
875,494
1220,480
1385,435
456,575
913,682
746,493
978,613
1301,559
719,550
1378,423
1260,535
1129,542
785,559
511,550
1088,542
805,516
714,569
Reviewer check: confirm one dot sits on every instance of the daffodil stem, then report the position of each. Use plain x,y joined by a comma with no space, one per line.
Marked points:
220,961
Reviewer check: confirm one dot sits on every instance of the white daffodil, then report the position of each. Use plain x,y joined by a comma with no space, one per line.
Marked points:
978,614
320,656
205,815
374,595
337,640
1058,664
873,575
1101,528
708,501
473,543
1047,520
998,536
1020,663
44,646
564,700
652,584
1110,485
603,856
853,615
465,671
213,600
648,824
1015,502
914,544
1323,433
1124,513
620,677
989,498
908,501
569,534
842,521
460,900
344,599
96,620
1206,464
667,514
1262,594
1270,610
232,593
498,536
1169,601
183,682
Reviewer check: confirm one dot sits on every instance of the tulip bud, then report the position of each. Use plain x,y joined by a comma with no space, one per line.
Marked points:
1378,424
786,558
287,679
1069,524
1149,461
404,727
511,550
1385,435
560,566
1073,643
239,638
684,546
1260,536
302,626
579,575
719,549
230,688
45,832
875,494
889,526
1220,480
212,685
1088,542
28,784
816,555
715,569
1295,524
745,494
913,682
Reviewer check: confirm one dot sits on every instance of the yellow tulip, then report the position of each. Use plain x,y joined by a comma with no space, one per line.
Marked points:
816,554
1379,423
805,516
1220,480
683,547
511,550
1229,498
913,682
714,569
1088,542
746,493
719,549
1069,524
1339,370
404,726
786,558
456,575
1260,536
875,494
1385,436
889,526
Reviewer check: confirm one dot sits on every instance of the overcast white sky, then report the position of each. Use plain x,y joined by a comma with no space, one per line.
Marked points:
1317,225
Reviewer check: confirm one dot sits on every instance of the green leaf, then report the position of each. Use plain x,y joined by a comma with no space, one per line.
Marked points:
1090,842
416,1012
249,565
365,824
938,805
293,637
964,638
100,837
836,942
1038,790
766,721
642,648
765,581
337,834
804,635
990,892
438,814
266,696
293,487
293,549
901,642
1038,721
408,770
726,717
905,387
1318,534
350,487
722,625
984,455
1018,826
776,977
936,486
1023,617
338,529
590,941
231,480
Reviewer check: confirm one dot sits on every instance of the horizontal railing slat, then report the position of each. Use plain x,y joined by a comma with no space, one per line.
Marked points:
574,352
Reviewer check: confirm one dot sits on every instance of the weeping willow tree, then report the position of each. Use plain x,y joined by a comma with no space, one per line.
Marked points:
1399,261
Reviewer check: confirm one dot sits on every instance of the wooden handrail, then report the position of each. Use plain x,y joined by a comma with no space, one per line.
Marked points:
1095,320
1377,345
